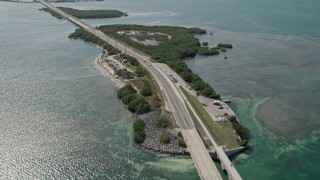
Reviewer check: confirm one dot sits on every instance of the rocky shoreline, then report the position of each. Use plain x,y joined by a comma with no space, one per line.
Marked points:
153,134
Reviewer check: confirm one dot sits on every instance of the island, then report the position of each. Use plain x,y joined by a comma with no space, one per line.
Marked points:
155,127
81,14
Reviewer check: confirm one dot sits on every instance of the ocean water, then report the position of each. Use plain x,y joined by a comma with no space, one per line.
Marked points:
61,119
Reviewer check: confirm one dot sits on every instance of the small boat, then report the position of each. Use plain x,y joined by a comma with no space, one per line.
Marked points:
227,101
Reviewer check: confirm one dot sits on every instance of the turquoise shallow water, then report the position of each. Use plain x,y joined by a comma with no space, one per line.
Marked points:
67,115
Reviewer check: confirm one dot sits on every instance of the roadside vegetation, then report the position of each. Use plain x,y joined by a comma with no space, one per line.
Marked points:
110,49
86,13
181,141
132,60
146,88
162,121
141,71
200,130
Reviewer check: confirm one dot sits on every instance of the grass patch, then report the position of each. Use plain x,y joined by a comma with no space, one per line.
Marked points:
146,88
162,121
182,143
223,136
229,134
172,123
165,140
123,73
127,65
154,100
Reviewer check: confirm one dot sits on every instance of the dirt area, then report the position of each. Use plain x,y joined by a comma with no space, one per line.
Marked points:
145,37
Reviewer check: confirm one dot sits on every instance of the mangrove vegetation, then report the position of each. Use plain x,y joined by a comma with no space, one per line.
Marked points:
242,131
86,13
229,46
89,37
138,131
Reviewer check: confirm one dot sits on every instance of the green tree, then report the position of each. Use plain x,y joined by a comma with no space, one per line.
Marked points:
146,91
165,140
138,125
182,143
128,98
242,131
124,73
126,90
140,71
146,88
139,106
133,61
138,131
187,76
162,121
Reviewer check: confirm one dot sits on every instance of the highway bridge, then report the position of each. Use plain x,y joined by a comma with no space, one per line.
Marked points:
176,103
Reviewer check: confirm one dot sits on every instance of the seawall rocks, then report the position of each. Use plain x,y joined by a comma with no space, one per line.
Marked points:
153,134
